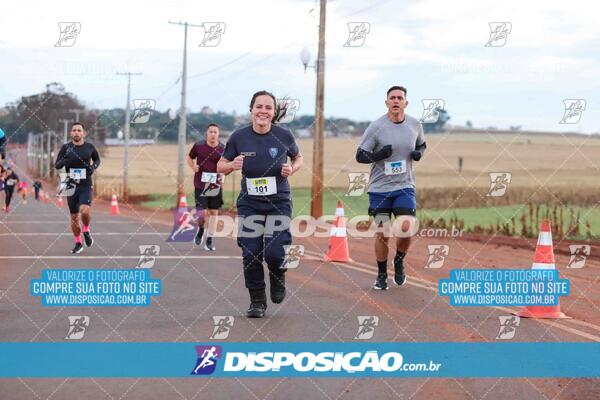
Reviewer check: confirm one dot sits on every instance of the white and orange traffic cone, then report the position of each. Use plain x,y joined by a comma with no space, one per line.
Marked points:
114,205
338,240
544,259
59,201
182,207
183,202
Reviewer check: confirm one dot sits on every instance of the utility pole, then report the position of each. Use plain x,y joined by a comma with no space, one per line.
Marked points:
125,193
76,112
182,115
66,129
316,206
48,135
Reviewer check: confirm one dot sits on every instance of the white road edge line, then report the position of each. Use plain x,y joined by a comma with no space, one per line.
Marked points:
69,257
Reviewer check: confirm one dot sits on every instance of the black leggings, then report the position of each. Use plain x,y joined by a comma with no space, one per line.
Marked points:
9,192
3,147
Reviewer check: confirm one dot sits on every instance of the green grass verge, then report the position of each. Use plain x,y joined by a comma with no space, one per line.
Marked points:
354,206
301,201
503,214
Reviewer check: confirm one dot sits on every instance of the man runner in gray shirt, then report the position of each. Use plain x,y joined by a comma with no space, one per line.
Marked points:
391,144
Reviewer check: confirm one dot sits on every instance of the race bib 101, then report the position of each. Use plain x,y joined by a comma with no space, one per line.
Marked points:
261,186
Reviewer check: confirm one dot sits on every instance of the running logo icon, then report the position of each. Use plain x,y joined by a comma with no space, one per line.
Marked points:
431,110
357,34
212,34
207,359
68,34
290,107
366,326
148,254
223,324
142,109
77,326
437,255
573,110
508,327
66,185
212,189
499,32
183,229
499,183
358,183
579,254
293,252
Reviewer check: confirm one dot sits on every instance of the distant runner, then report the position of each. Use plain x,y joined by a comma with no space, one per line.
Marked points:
37,186
23,188
2,145
11,181
203,159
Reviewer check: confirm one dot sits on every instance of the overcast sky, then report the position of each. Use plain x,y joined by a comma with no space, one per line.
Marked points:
434,48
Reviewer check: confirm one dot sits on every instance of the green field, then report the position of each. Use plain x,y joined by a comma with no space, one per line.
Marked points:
353,206
300,196
484,217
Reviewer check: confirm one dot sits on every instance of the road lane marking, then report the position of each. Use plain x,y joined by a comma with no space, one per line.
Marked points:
69,257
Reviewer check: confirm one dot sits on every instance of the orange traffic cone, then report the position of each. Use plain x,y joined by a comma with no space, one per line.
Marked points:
338,241
183,202
544,259
182,208
114,205
45,197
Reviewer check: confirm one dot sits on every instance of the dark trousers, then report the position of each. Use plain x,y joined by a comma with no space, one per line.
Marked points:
262,235
9,190
3,147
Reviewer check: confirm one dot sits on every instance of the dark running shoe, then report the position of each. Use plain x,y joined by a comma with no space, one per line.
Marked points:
399,276
87,238
199,234
78,248
381,282
209,244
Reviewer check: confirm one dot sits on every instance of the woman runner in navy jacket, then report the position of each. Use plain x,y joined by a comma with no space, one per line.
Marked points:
261,152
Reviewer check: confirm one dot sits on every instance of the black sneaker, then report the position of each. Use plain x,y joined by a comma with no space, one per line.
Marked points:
209,245
199,234
399,276
258,303
381,282
78,248
277,287
87,238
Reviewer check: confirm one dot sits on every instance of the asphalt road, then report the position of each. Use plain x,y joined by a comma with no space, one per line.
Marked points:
323,304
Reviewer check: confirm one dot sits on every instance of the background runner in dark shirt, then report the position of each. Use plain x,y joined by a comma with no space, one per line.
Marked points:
208,193
10,183
80,159
74,157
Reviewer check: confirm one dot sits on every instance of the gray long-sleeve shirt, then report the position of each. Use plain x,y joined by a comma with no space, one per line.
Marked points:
403,137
